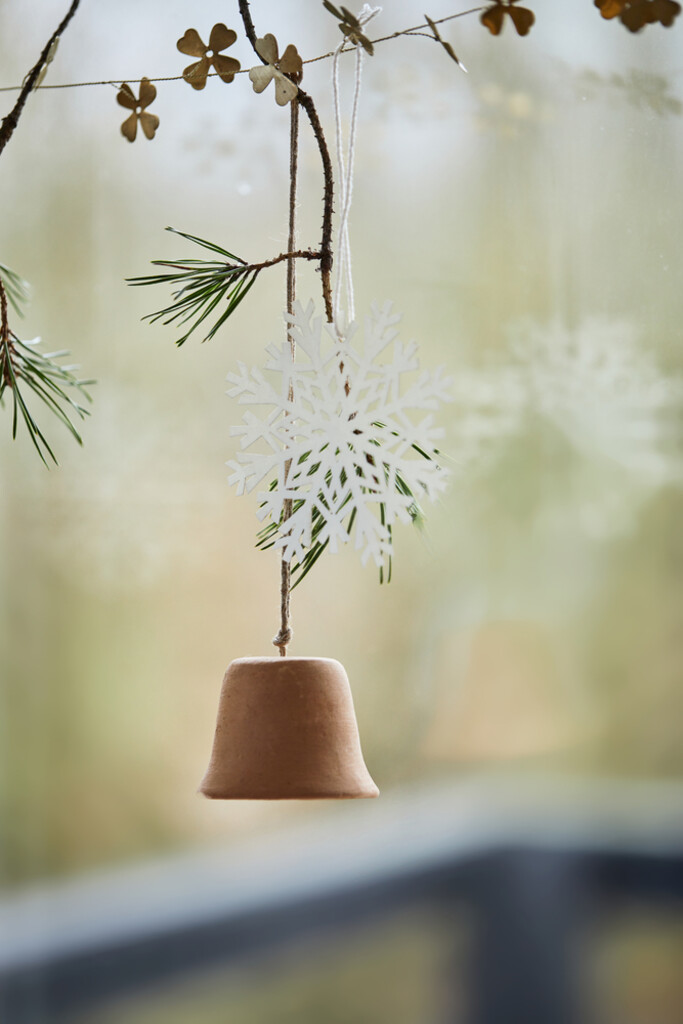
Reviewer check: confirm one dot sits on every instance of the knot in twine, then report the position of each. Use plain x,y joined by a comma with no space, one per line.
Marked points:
283,638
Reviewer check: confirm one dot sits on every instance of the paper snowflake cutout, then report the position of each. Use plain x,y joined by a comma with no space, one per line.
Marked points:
353,449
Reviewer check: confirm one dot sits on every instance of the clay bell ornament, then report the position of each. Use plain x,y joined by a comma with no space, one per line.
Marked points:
286,730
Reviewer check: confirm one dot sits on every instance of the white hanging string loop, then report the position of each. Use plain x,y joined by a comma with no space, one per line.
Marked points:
345,178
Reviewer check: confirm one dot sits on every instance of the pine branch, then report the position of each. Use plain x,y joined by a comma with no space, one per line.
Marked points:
23,368
207,286
16,288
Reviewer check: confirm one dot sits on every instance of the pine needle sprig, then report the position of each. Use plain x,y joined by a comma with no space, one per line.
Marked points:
202,288
24,369
18,291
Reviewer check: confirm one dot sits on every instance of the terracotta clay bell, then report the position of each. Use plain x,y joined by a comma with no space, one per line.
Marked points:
286,730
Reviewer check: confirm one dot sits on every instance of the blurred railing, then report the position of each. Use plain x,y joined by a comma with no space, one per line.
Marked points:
534,867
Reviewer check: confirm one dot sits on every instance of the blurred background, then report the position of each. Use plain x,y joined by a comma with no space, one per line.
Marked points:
519,678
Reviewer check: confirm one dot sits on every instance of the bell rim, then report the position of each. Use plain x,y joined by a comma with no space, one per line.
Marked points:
356,795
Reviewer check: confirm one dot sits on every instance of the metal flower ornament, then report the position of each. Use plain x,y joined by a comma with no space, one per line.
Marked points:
277,69
210,56
350,26
522,18
636,14
148,122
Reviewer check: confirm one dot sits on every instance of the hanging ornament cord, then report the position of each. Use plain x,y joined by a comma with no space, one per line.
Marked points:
345,168
284,635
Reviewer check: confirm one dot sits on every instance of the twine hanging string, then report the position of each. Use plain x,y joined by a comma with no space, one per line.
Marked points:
346,167
284,635
341,176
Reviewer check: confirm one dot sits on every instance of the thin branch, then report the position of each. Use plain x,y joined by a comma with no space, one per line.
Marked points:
248,267
244,268
298,254
306,101
245,14
6,345
10,122
326,258
284,635
4,321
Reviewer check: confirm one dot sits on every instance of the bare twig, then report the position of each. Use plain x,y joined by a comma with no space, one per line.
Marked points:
10,122
307,103
284,635
247,268
297,254
326,258
245,14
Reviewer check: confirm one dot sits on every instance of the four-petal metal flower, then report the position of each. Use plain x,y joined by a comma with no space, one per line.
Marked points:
636,14
494,17
148,122
220,39
277,68
611,8
350,26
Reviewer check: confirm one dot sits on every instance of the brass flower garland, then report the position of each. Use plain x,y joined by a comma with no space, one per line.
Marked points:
286,70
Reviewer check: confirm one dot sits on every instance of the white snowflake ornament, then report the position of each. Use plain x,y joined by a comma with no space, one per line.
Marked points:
347,434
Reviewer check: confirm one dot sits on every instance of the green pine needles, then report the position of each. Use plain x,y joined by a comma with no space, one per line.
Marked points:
267,536
204,288
16,289
29,375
